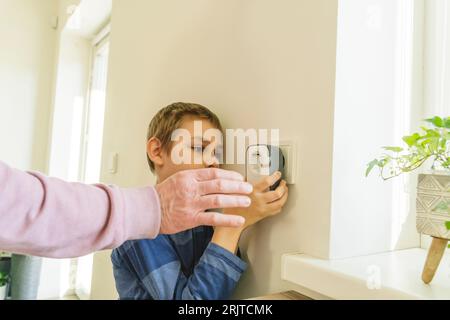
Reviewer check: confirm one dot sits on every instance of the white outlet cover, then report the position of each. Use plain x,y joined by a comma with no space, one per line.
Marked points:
289,149
112,162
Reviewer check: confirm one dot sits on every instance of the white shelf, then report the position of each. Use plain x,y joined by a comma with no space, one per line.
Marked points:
399,275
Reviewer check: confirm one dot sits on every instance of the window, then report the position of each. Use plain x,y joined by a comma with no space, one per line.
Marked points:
94,115
76,146
436,65
373,107
92,138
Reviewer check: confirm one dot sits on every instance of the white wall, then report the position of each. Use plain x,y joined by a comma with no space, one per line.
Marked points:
64,12
71,88
103,285
26,75
27,60
257,64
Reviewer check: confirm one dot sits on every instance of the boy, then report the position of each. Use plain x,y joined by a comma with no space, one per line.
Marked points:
200,263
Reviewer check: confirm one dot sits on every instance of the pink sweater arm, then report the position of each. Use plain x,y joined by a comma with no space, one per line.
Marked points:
48,217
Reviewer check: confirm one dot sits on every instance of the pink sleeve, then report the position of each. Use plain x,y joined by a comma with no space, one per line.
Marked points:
48,217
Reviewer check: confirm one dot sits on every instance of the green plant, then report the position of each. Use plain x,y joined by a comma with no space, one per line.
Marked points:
447,224
432,143
4,278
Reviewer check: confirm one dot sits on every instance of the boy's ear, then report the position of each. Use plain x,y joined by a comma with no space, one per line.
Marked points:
154,151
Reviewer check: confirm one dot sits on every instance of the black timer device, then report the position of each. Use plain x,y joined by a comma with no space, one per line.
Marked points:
263,160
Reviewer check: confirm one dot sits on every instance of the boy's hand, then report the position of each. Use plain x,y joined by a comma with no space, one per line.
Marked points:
264,203
186,196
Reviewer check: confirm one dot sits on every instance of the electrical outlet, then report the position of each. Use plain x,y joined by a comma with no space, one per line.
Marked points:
289,149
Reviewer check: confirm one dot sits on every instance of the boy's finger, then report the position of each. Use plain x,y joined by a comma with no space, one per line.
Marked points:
214,173
276,206
219,219
223,201
276,194
267,181
221,186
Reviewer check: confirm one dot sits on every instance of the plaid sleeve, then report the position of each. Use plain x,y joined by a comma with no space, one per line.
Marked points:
155,263
215,277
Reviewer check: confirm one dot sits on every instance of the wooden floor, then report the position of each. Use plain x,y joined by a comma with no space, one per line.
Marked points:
288,295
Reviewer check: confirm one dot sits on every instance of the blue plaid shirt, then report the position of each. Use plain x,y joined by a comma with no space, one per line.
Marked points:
183,266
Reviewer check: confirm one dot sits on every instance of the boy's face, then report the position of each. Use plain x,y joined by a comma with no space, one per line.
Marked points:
197,146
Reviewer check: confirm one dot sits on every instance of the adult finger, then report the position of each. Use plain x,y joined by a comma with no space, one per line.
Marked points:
278,193
219,220
268,181
214,173
223,201
222,186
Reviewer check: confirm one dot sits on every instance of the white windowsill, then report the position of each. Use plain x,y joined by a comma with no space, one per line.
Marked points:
400,275
5,255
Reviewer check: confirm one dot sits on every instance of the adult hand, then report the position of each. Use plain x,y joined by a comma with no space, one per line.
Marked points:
186,196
